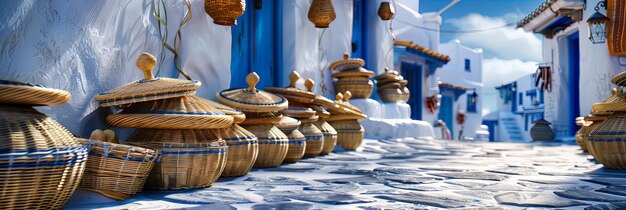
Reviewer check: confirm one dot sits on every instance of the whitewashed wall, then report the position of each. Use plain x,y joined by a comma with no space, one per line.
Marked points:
379,46
87,47
304,51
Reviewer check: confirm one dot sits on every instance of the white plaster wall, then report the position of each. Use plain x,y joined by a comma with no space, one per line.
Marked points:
304,51
87,47
379,45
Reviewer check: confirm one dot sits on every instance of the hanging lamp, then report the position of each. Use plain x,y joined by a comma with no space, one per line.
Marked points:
322,13
225,12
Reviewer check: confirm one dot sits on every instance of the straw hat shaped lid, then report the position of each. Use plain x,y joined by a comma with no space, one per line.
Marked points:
251,99
160,138
619,79
261,118
24,129
291,92
321,100
148,88
387,74
612,128
342,100
338,117
311,119
299,112
595,118
14,92
173,113
287,123
347,63
354,72
237,115
615,102
320,111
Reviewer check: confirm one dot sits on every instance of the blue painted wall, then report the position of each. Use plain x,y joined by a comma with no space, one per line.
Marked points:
574,76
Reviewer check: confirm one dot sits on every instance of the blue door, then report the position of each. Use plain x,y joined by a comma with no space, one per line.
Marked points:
413,73
257,44
358,29
446,112
574,78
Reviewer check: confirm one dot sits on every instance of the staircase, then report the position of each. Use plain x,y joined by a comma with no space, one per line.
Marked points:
512,129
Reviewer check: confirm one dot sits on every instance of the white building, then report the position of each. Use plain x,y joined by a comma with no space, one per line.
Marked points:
581,70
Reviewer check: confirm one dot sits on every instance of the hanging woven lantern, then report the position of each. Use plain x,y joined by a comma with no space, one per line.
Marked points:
225,12
385,11
322,13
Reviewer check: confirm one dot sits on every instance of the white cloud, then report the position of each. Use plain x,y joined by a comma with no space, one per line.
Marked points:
497,72
505,43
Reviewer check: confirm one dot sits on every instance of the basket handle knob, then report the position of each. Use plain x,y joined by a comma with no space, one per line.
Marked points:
346,56
309,83
252,79
145,63
347,95
109,136
97,135
294,77
339,97
614,91
386,70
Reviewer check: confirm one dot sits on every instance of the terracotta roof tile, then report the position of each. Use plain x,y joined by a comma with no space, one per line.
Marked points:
429,52
452,86
544,6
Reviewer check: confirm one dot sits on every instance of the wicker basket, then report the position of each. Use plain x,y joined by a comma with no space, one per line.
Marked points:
116,171
273,145
391,95
225,12
580,139
330,136
607,143
189,158
297,145
321,13
14,92
243,149
41,163
314,139
349,133
358,89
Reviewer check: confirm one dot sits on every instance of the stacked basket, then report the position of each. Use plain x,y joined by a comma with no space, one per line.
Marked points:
607,141
297,140
351,76
345,119
174,122
391,87
261,110
41,163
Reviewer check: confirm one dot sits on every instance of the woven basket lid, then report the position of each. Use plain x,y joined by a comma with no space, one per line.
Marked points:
613,127
287,123
120,151
615,102
172,113
619,79
338,117
595,118
320,111
349,109
291,92
311,119
262,118
237,115
251,99
347,63
14,92
298,112
387,74
147,89
24,129
176,137
354,72
393,85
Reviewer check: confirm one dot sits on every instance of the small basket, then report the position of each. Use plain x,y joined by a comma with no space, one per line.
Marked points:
330,136
391,95
273,145
243,149
607,143
225,12
314,139
580,138
358,90
189,158
116,171
297,145
349,133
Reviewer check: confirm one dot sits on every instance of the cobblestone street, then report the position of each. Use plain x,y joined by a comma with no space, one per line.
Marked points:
406,175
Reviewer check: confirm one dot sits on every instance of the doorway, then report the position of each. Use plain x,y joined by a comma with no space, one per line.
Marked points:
573,54
413,73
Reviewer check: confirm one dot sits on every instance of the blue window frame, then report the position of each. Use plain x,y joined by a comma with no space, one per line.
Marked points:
468,65
471,103
520,98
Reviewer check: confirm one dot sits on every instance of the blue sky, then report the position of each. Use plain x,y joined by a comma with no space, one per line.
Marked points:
509,53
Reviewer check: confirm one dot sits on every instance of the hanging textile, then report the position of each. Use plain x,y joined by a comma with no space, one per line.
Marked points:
616,28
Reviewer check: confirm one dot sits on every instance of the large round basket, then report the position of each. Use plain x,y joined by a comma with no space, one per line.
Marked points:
349,133
115,170
273,145
330,136
607,143
297,145
314,139
41,163
391,95
189,158
358,89
243,149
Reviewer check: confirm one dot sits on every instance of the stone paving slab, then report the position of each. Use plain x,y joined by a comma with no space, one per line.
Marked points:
406,174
